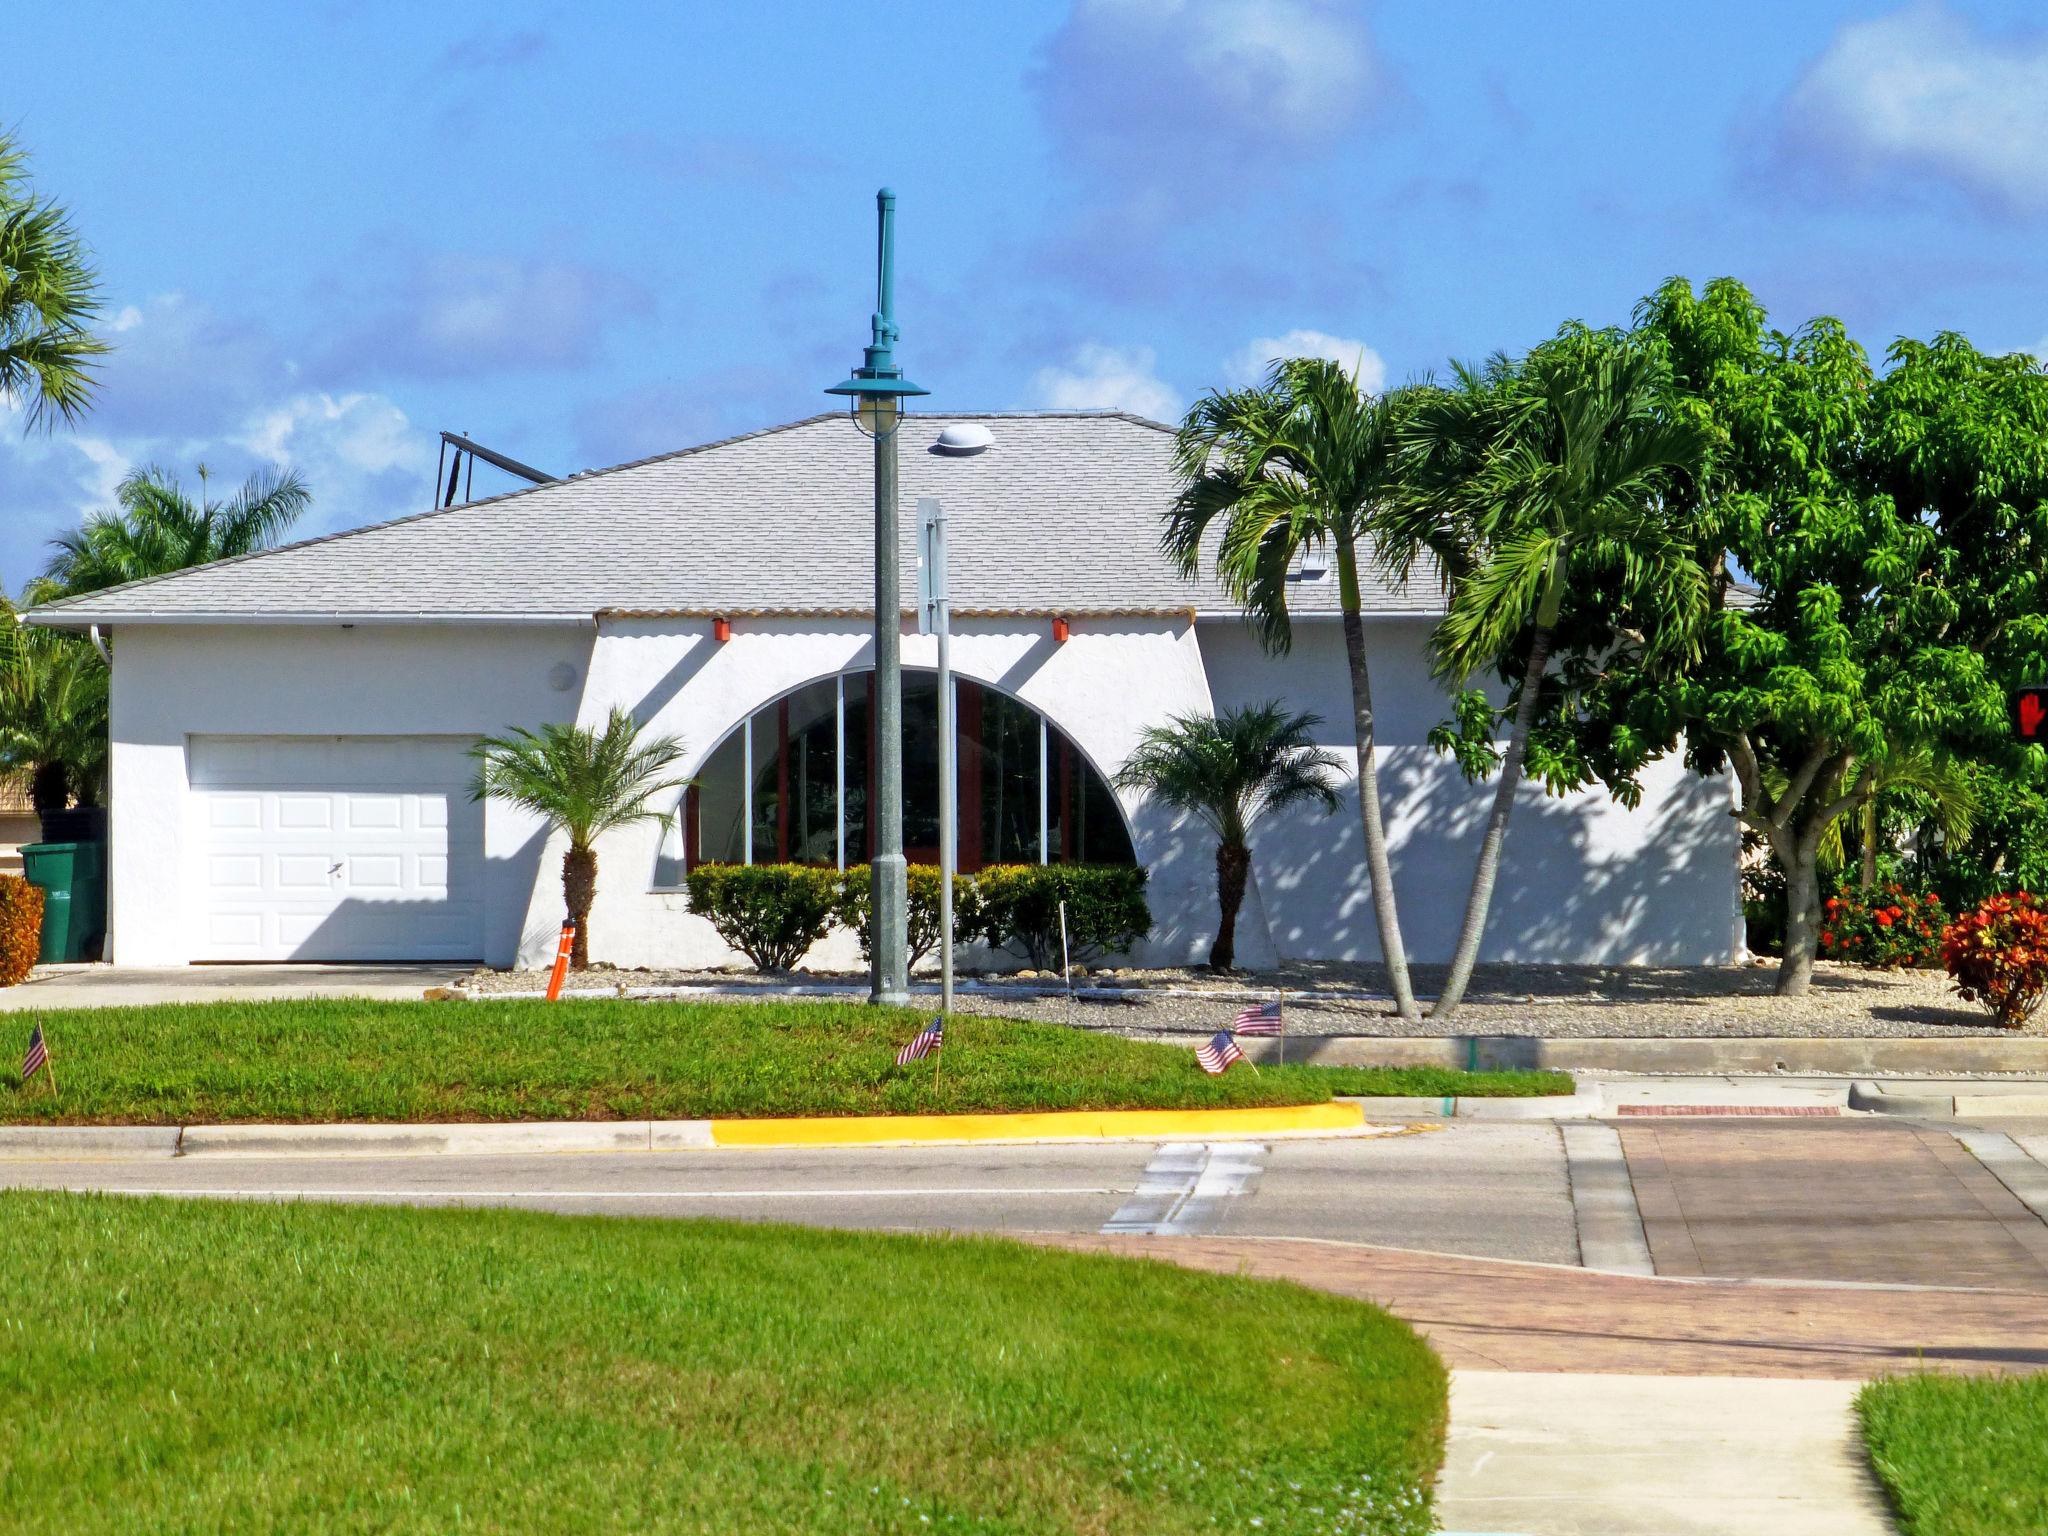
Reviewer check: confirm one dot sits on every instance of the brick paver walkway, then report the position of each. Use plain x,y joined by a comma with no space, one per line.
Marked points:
1492,1315
1892,1205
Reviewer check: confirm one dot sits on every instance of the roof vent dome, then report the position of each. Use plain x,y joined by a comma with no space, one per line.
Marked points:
964,438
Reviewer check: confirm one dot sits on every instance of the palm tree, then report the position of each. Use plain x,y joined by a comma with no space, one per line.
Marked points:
1553,470
49,297
1305,460
159,529
1231,770
583,783
53,714
1943,782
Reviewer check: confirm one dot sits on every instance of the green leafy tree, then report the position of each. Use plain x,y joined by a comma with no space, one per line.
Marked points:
1232,770
157,529
1306,460
53,714
1940,788
49,298
582,783
1551,474
1893,531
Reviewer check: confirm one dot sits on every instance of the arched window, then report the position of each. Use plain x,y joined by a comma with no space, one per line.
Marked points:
790,785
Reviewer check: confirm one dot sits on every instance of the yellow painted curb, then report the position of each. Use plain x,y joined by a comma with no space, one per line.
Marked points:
1057,1125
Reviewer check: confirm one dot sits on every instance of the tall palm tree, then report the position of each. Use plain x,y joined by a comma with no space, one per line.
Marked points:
1553,470
49,297
583,783
1305,460
1232,770
158,528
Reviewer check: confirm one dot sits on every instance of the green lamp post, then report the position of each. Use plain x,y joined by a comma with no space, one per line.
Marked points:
878,389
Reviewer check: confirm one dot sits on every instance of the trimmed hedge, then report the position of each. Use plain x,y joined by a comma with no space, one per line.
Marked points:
772,913
21,928
1017,908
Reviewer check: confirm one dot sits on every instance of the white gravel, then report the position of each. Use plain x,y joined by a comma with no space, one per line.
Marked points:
1350,999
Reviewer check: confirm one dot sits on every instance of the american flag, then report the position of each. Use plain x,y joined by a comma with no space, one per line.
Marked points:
1219,1053
929,1039
38,1056
1260,1019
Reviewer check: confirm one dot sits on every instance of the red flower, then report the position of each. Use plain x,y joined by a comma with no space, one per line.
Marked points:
1884,919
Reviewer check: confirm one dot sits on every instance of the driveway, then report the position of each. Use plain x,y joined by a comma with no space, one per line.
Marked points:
107,986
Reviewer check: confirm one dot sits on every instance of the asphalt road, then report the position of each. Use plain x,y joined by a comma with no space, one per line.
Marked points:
1535,1191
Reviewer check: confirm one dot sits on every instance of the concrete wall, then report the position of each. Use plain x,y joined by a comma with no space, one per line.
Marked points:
174,682
1583,879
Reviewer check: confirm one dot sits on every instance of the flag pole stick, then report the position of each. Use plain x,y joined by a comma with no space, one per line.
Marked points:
1066,963
1280,1004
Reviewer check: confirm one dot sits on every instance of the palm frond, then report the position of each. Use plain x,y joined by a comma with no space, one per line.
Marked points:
579,781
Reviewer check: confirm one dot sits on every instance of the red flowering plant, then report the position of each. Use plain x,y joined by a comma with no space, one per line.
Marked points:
1998,954
1889,929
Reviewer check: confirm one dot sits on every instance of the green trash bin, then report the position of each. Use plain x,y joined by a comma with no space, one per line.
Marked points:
73,877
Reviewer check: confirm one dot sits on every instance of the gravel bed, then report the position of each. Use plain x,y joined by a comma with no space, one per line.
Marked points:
1546,1001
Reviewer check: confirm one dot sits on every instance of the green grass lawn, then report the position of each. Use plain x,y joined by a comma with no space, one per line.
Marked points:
227,1367
1961,1456
344,1059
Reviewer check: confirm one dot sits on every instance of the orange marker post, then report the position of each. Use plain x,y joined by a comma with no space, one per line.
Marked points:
561,970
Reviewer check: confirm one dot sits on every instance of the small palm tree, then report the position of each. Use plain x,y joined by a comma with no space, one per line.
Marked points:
1550,471
583,783
53,714
1306,460
159,529
1231,770
49,297
1944,784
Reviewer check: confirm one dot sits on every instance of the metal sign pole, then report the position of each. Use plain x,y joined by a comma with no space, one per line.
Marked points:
935,618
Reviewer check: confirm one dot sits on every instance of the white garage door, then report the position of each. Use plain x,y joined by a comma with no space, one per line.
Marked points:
336,848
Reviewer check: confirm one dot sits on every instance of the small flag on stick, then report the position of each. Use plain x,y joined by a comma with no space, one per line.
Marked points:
1260,1019
931,1038
1218,1055
38,1059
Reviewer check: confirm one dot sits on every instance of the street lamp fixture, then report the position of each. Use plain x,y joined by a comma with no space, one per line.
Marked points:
877,389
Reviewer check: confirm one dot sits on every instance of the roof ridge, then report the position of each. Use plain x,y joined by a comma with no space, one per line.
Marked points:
415,517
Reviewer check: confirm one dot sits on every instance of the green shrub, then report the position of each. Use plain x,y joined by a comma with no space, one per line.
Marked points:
1017,908
771,913
1884,931
854,906
21,928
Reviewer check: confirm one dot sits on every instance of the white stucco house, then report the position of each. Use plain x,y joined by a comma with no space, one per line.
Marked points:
289,779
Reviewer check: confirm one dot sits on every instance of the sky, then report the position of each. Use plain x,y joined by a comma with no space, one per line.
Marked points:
586,233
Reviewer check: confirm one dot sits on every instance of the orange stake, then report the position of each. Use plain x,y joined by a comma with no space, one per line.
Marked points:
561,970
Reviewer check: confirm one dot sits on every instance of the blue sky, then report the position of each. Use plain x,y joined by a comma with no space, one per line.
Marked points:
588,233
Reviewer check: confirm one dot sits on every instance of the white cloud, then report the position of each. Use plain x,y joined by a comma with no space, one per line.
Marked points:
1109,378
1923,91
1250,362
1158,80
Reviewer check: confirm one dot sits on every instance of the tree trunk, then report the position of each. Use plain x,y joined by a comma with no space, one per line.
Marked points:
579,886
1487,870
1377,866
1233,864
49,787
1802,918
1869,823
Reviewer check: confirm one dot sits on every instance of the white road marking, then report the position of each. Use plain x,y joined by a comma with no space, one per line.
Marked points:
573,1194
1184,1188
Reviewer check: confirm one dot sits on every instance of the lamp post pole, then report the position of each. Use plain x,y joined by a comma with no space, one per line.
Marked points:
878,388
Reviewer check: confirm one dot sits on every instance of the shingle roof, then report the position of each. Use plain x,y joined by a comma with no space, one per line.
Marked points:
1061,515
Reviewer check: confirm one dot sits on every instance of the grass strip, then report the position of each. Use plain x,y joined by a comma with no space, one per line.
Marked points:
242,1368
342,1059
1961,1456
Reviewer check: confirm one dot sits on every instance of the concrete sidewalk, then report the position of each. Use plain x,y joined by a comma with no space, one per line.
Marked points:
107,986
1540,1454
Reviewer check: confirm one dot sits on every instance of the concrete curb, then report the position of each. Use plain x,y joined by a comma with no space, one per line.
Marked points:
1884,1099
1676,1056
1344,1117
1587,1103
23,1142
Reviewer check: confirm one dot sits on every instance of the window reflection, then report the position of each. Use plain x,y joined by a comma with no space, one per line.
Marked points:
791,784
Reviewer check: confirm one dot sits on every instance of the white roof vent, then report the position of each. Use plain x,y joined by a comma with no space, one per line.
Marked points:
964,438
